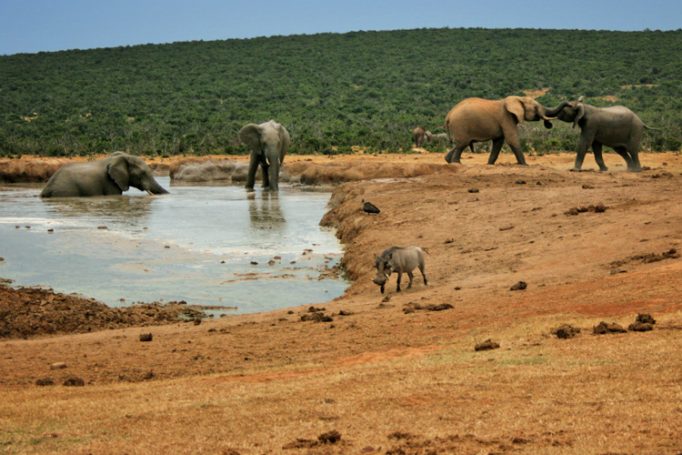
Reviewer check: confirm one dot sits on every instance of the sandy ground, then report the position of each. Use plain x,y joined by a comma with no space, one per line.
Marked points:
387,376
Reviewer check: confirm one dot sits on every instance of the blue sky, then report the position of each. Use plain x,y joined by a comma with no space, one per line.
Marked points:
51,25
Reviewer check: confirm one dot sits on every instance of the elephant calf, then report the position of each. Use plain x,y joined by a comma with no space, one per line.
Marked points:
398,260
269,143
616,127
110,176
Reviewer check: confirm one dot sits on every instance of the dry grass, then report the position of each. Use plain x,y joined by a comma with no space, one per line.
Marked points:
389,381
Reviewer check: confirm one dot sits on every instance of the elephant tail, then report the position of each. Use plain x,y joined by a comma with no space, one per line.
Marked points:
652,128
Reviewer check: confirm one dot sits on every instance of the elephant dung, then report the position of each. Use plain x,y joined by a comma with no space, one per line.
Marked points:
44,382
645,318
520,286
74,381
607,327
487,345
146,337
565,331
640,327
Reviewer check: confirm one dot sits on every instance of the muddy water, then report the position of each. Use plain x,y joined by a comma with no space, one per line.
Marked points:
209,245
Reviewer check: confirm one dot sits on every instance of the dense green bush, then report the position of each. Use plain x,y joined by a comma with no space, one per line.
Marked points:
332,91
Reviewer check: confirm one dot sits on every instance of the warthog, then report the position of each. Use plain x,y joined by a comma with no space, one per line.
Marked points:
399,260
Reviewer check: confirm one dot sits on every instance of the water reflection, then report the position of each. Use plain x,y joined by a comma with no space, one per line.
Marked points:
264,210
122,209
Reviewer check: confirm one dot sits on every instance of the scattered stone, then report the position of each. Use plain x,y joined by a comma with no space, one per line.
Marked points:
222,262
520,286
146,337
645,318
450,240
640,327
607,327
647,258
565,331
28,226
473,190
368,207
486,345
508,227
196,321
102,227
254,262
458,288
44,382
398,435
344,313
2,259
166,246
314,309
58,366
521,182
74,381
330,437
587,186
386,299
50,230
300,443
148,375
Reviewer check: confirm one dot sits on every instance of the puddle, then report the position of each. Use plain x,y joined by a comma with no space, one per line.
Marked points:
208,245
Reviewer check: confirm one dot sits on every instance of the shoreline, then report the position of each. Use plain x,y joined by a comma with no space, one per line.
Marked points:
388,372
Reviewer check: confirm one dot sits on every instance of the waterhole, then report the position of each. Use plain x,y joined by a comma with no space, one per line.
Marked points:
209,245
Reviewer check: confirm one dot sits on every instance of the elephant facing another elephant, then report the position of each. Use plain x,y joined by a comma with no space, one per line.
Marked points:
110,176
476,120
616,127
269,143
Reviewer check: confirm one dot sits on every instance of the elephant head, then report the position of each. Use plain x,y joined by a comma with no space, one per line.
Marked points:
128,170
569,111
269,143
525,108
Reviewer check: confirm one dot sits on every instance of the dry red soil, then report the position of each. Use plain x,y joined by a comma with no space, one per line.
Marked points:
379,379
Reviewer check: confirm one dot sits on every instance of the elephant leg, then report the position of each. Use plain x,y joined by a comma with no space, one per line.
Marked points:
634,165
253,167
421,269
410,275
495,152
471,147
454,155
622,151
515,144
596,148
400,275
583,145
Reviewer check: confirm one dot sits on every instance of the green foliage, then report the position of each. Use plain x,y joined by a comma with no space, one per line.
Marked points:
332,91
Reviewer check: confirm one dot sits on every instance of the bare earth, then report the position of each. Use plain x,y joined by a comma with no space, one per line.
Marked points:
389,375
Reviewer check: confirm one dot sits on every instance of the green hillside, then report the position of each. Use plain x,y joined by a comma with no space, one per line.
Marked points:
361,88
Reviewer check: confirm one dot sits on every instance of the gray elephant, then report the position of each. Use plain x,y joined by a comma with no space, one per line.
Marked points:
476,119
616,127
269,143
110,176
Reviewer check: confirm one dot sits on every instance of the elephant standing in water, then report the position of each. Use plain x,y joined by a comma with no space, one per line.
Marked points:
616,126
269,143
110,176
476,119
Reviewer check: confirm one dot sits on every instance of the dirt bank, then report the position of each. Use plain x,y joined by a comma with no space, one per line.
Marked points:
27,312
395,381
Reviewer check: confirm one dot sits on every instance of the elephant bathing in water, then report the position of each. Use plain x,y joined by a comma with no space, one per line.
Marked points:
110,176
269,143
476,119
616,127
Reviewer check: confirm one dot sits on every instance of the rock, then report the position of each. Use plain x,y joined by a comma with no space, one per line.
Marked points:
196,322
412,307
587,187
520,182
565,331
450,240
640,327
368,207
344,313
600,208
44,382
316,317
57,366
74,381
508,227
520,286
146,337
645,318
473,190
300,443
254,262
607,327
330,437
486,345
2,259
50,231
102,227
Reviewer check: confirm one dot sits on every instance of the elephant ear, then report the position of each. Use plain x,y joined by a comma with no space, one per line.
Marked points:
118,171
580,111
285,141
514,106
250,136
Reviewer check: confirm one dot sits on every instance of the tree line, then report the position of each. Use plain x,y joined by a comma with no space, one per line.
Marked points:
332,91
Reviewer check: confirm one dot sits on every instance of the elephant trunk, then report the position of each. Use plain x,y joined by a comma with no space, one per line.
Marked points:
554,112
155,188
